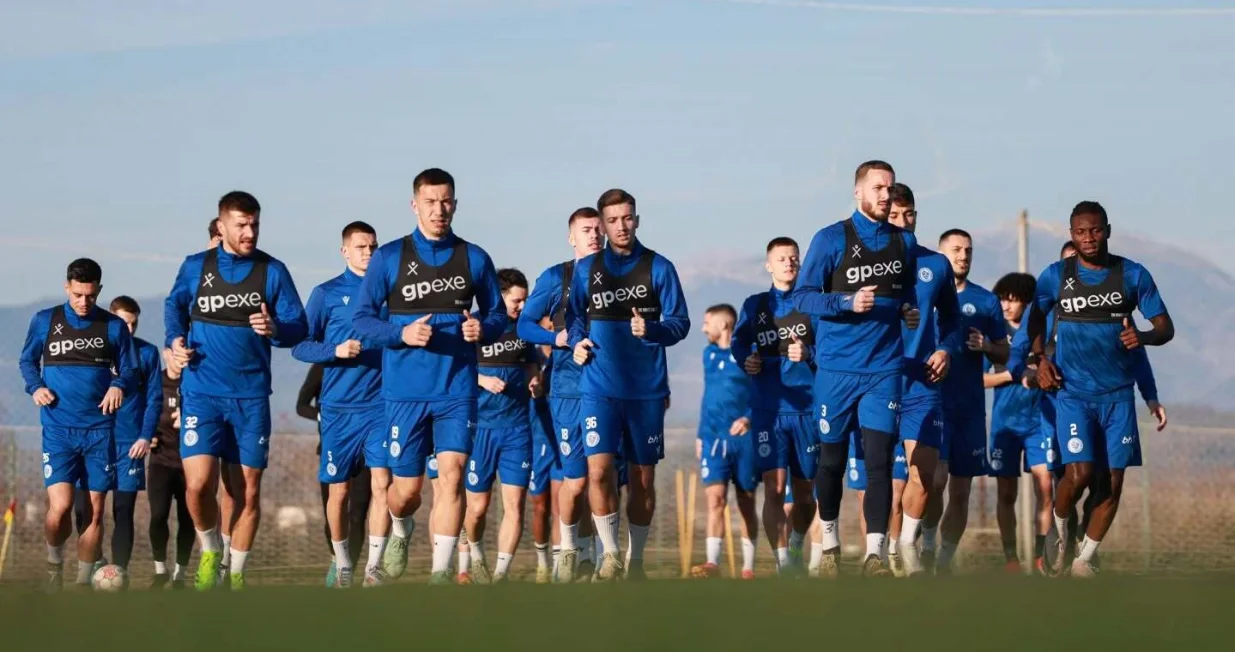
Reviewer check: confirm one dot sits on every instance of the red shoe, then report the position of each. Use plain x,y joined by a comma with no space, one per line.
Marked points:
1039,567
1012,567
748,574
463,578
705,571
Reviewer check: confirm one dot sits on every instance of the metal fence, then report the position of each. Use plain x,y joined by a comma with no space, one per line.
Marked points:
1176,516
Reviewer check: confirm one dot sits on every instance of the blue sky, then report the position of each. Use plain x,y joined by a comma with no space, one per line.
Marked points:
732,122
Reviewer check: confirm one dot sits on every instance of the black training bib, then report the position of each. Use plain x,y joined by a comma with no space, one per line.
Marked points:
421,288
85,347
568,277
1106,302
508,351
773,335
885,269
226,304
611,298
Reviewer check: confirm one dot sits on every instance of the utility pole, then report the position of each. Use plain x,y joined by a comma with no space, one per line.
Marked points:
1028,518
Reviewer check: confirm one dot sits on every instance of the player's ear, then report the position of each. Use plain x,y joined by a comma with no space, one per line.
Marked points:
636,220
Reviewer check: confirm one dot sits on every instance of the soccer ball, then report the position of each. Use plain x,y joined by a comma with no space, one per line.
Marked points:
109,579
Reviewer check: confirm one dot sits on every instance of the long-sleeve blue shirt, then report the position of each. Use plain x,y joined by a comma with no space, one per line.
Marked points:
232,361
1142,370
78,389
781,386
940,328
962,387
849,342
139,414
1093,362
545,301
446,367
346,383
510,407
726,392
624,366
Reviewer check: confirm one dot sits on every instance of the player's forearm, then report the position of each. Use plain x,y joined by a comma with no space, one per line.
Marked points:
307,410
998,352
176,314
493,325
314,352
1033,331
668,331
997,379
1163,331
813,302
31,374
529,330
1143,375
375,329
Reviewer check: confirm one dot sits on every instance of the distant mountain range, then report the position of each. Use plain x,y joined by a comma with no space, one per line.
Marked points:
1195,369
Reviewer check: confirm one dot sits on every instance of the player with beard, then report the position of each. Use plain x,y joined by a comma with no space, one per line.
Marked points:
549,298
858,280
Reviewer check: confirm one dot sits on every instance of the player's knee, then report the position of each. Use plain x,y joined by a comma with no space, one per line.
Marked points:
1007,491
832,458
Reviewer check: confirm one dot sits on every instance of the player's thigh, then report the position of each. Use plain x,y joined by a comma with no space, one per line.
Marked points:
1038,450
1006,448
855,466
836,405
745,472
967,443
880,403
572,455
98,454
342,440
771,451
1123,440
454,425
644,426
921,421
249,421
514,460
482,463
130,472
1079,431
203,426
375,451
410,438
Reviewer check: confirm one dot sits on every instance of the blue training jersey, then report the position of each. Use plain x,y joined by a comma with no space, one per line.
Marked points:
210,308
781,386
446,367
624,366
139,414
1015,407
962,387
849,342
508,409
1093,362
726,392
940,328
346,383
78,359
546,300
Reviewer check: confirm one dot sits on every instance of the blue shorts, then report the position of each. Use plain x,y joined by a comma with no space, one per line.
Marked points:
1103,433
80,457
634,429
855,470
1046,438
1006,449
571,457
130,473
785,441
419,429
922,420
351,438
729,458
848,402
502,453
964,443
235,430
545,465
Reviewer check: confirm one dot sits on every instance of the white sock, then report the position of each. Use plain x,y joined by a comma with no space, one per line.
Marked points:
1061,525
227,550
607,530
401,526
55,554
748,555
638,538
342,557
928,538
816,555
1088,548
713,548
377,546
875,543
160,568
465,560
178,572
569,532
946,551
585,548
557,554
909,529
443,550
598,548
831,534
795,539
209,539
893,545
503,563
782,557
478,550
241,556
84,571
542,555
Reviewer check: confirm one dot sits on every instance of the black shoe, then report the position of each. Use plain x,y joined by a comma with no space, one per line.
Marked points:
160,581
177,585
635,572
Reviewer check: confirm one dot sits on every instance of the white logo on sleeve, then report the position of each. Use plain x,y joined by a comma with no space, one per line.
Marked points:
472,478
190,437
1075,445
593,439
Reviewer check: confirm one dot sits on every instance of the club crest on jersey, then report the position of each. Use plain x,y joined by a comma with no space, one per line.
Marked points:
969,309
926,275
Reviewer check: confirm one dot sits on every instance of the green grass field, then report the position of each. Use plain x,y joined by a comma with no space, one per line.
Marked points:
988,612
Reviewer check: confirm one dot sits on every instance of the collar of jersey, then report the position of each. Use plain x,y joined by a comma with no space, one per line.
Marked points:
615,257
447,241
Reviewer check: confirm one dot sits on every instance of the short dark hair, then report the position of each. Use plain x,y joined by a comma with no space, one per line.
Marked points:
510,278
615,197
901,195
860,173
782,241
84,270
239,201
358,227
1017,286
583,213
723,308
126,303
213,229
433,177
1066,246
958,232
1089,208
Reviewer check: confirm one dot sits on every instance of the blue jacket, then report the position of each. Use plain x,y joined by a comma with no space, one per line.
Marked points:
544,301
139,414
941,321
781,386
726,392
346,383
